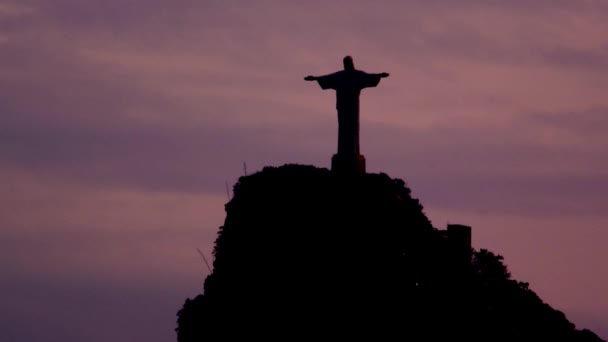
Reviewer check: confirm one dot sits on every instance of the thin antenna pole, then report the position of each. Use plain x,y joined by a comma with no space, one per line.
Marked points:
227,191
245,168
206,262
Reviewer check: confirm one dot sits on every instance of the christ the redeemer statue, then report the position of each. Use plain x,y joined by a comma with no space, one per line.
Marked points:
348,84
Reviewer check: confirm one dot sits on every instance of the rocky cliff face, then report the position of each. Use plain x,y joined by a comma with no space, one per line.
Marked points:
304,253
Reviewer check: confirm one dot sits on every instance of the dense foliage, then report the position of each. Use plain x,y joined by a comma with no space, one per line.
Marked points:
304,253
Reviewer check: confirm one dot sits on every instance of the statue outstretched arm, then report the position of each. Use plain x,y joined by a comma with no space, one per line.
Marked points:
326,81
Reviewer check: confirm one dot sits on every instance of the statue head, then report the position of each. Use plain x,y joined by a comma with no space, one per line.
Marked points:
348,63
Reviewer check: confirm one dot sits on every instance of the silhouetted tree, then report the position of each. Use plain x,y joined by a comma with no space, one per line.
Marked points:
489,267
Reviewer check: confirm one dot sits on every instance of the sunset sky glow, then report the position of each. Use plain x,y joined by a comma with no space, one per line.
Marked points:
122,120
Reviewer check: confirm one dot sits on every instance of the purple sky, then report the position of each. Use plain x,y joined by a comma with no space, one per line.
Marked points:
121,121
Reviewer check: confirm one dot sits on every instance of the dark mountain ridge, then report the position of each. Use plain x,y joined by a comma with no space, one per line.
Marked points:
306,253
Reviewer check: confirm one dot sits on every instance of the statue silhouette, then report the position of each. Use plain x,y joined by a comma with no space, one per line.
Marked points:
348,84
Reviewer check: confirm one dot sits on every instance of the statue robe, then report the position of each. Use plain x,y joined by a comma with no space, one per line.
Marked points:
348,85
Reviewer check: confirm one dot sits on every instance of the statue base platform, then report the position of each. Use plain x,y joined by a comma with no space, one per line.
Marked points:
346,164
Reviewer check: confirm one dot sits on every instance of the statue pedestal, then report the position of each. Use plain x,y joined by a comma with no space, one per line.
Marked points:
348,164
